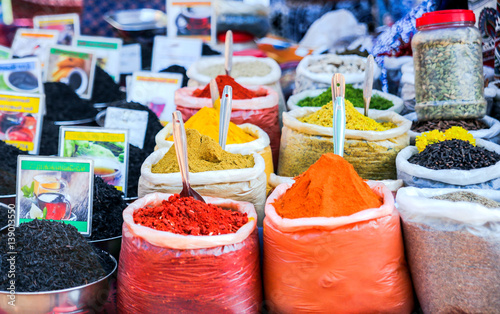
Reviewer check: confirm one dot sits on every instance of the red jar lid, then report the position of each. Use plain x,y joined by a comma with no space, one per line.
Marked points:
446,16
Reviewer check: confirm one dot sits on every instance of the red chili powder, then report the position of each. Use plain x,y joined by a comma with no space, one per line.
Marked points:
239,92
187,216
329,188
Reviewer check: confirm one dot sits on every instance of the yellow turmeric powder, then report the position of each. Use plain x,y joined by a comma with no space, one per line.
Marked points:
354,119
206,121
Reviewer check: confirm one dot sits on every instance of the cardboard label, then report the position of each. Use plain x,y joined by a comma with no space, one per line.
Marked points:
136,121
107,147
192,19
72,66
34,42
21,118
107,51
55,188
21,75
130,60
175,51
5,53
68,26
156,91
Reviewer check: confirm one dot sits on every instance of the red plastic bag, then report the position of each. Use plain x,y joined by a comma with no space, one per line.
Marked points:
162,272
261,111
351,264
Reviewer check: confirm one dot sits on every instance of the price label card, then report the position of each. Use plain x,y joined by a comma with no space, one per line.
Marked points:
135,121
156,91
107,51
21,117
68,26
72,66
175,51
130,59
5,53
21,75
55,188
192,19
107,147
34,42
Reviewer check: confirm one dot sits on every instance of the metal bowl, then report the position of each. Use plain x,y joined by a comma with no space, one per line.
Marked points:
3,228
81,122
89,298
110,245
8,199
100,118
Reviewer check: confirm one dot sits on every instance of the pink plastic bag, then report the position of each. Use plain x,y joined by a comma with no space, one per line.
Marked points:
260,111
162,272
351,264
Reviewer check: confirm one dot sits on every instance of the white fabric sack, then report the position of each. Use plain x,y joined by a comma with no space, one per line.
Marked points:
491,134
187,242
306,79
418,176
294,99
247,185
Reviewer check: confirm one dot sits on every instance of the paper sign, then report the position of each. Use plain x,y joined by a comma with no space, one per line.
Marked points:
68,26
21,117
130,60
72,66
21,75
5,53
191,19
107,147
55,188
107,51
34,42
156,91
175,51
135,121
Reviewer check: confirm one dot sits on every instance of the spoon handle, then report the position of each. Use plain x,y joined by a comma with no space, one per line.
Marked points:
214,92
180,143
368,83
225,114
338,91
228,53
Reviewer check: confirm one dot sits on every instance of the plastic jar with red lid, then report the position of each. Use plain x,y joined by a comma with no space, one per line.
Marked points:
447,56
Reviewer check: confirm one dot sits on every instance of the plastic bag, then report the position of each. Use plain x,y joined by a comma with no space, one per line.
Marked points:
492,133
247,185
294,99
259,111
351,264
452,250
259,146
305,79
421,177
372,153
163,272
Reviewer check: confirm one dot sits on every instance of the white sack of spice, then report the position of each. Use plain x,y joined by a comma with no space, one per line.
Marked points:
453,249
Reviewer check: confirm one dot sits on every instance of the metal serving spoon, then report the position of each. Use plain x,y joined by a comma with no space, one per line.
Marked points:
180,143
225,114
338,93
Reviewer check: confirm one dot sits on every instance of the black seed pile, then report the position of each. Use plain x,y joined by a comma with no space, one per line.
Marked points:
154,125
63,104
136,158
4,216
454,154
49,142
8,168
107,211
50,256
105,89
443,125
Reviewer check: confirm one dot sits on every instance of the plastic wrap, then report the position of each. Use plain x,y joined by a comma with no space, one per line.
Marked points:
492,133
260,145
307,80
259,111
452,250
422,177
294,99
372,153
247,185
351,264
163,272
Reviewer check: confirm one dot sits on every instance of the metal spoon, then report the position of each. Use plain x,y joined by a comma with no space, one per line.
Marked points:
228,53
368,83
338,93
225,114
214,93
180,143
